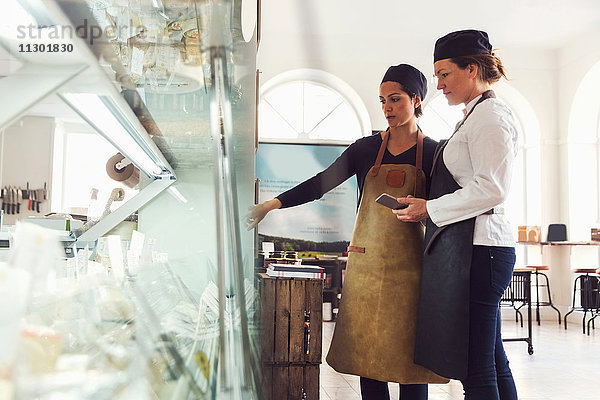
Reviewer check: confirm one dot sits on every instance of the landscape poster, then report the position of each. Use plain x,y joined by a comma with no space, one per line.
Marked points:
323,225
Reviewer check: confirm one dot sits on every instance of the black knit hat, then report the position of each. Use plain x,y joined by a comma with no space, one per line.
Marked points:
409,77
462,43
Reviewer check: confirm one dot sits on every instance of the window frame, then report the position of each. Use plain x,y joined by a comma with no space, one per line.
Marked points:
64,129
327,81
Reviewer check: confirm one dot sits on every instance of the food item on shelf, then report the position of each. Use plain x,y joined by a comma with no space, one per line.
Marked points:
175,29
191,46
528,233
114,306
40,348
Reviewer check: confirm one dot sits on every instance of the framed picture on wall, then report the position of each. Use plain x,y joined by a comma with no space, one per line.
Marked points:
323,225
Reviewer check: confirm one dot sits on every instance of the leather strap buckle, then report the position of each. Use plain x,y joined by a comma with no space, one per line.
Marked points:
356,249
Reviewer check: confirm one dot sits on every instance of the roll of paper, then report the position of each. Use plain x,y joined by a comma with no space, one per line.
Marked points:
129,175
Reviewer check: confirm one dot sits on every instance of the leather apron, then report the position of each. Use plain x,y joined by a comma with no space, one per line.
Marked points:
375,328
442,334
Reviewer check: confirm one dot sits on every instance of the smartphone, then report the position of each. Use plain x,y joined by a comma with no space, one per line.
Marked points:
390,201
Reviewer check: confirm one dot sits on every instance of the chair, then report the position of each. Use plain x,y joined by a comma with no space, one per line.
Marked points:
510,298
557,233
588,284
537,302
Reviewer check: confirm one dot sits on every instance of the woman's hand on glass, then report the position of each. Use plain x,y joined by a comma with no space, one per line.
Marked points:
258,212
415,212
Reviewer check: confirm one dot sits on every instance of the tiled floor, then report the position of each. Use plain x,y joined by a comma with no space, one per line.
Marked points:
565,366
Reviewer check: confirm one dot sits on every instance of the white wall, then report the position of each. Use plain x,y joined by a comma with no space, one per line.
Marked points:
533,73
26,156
575,60
350,60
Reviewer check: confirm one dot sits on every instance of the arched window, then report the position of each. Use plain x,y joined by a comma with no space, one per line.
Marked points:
439,118
584,157
307,105
523,207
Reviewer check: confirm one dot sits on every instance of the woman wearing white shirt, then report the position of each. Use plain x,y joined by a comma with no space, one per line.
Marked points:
469,248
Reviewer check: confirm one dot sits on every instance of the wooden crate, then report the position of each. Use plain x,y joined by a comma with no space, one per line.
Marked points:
289,370
292,382
333,288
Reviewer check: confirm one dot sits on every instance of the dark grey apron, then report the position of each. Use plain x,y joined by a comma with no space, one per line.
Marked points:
442,339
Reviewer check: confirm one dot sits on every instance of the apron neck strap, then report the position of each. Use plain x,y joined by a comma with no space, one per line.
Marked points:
418,192
418,162
384,140
488,94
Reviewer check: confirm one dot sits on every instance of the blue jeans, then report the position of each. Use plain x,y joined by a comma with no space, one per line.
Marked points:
371,389
489,376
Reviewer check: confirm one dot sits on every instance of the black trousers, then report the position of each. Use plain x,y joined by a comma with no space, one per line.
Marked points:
370,389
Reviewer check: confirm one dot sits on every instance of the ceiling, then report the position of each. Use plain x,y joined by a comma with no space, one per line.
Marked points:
523,23
542,24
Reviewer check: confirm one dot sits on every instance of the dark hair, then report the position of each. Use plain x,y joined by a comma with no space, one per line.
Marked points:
489,66
412,95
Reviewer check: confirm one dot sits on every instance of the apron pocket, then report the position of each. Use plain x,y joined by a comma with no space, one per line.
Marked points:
395,178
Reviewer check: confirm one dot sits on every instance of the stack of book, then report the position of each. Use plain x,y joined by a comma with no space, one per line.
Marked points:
295,271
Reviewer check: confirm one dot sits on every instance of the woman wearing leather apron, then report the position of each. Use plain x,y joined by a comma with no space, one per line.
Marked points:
469,247
375,328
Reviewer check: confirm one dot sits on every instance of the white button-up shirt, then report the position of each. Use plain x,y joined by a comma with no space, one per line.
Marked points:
480,156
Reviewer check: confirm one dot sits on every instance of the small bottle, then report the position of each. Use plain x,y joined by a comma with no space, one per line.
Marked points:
94,210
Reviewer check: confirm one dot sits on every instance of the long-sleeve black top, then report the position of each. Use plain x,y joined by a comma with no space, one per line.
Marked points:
357,160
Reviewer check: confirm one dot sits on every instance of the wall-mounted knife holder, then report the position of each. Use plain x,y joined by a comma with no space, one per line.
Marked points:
13,196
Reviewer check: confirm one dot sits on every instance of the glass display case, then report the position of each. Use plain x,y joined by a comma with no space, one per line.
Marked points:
169,314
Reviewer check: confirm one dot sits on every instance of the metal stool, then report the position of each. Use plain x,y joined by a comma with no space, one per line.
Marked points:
589,288
539,303
516,294
519,290
595,313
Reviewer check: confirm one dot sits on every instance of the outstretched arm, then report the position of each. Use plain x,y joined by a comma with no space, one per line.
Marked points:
258,212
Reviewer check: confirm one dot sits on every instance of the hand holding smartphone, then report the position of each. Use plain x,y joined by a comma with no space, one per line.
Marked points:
390,202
